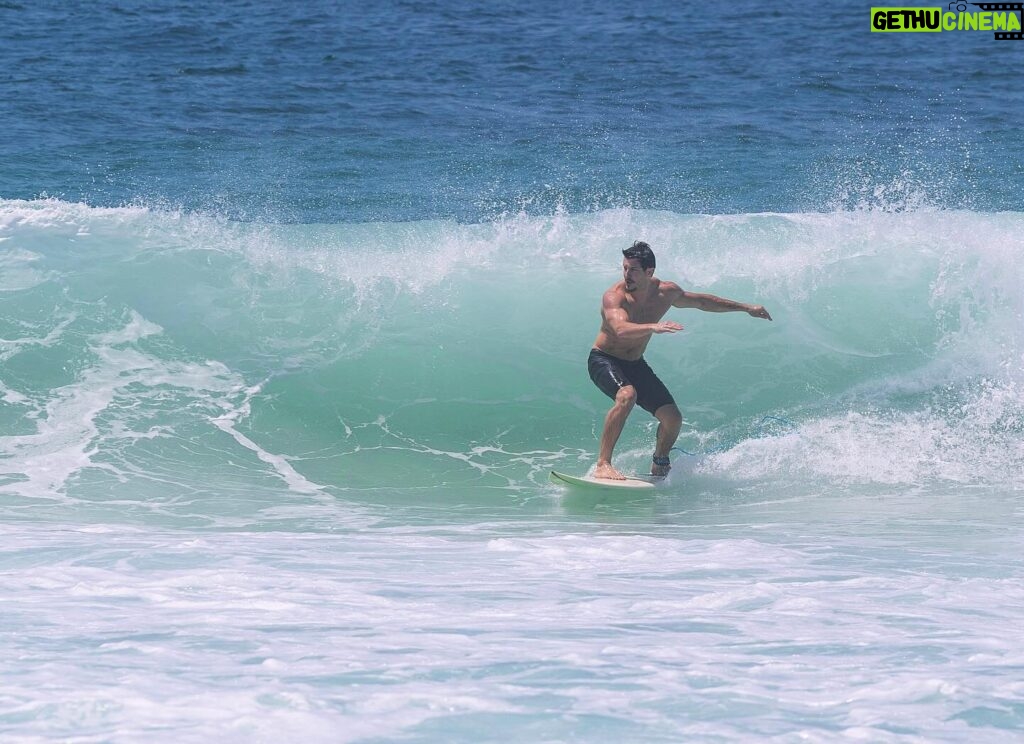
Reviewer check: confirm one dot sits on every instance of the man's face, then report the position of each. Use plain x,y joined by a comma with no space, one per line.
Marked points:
634,274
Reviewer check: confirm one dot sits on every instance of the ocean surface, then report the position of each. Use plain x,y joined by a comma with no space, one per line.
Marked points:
295,303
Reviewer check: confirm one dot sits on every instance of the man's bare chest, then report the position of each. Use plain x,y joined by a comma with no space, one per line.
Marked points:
646,312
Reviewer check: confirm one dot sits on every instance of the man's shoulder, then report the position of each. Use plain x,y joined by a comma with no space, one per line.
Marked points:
670,289
615,293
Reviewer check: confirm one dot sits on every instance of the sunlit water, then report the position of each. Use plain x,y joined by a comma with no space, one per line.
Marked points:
295,305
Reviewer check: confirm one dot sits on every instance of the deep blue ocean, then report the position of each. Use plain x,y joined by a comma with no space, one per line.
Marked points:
295,304
398,111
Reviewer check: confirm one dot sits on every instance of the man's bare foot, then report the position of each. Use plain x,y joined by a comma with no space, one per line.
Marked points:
605,470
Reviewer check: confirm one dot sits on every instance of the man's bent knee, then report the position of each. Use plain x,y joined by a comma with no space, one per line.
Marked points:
626,397
669,415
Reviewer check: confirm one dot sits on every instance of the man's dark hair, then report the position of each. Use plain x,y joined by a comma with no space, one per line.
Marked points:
642,253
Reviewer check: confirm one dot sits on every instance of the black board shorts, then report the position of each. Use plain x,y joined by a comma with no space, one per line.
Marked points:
610,374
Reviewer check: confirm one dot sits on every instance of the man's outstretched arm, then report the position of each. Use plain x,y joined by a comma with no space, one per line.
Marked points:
713,304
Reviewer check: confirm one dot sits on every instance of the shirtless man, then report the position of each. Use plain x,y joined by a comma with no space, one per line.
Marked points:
631,312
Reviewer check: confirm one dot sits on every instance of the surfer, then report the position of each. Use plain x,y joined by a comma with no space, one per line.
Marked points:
632,312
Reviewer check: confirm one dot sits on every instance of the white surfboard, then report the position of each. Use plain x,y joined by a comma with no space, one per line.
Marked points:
589,482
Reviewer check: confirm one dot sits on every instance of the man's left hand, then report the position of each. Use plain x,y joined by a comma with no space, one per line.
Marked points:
758,311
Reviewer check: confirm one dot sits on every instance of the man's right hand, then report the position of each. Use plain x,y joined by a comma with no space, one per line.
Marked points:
667,326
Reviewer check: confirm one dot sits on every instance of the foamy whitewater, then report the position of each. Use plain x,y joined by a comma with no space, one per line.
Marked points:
295,305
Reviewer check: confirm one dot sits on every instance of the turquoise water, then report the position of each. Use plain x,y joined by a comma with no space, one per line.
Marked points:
295,305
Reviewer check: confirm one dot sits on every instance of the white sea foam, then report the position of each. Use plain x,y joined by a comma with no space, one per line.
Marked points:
52,212
668,636
975,442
